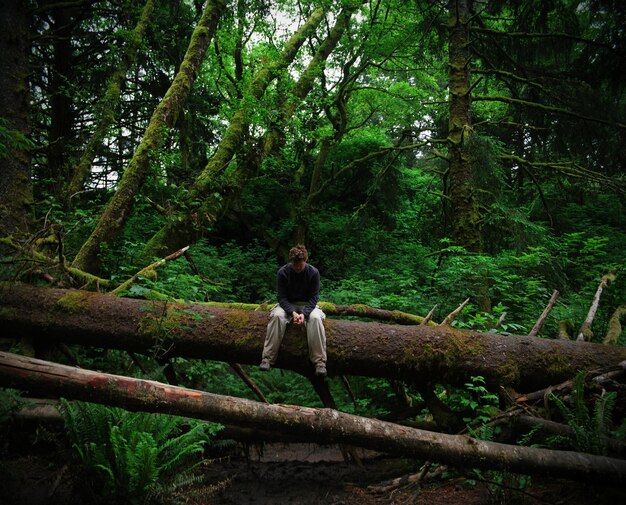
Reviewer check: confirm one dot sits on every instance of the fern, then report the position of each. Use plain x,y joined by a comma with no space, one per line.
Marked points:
132,455
589,429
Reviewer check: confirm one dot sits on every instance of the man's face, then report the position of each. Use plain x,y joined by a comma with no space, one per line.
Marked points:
298,266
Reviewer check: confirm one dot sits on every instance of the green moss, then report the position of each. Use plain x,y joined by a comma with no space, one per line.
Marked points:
160,324
454,349
327,306
7,313
508,373
556,364
458,345
238,319
72,303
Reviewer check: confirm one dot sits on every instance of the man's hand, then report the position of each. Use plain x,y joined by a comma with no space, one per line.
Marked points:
297,318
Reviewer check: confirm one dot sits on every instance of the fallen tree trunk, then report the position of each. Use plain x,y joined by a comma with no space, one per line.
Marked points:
321,425
415,354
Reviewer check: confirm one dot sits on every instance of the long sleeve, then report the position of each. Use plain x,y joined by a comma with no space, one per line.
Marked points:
282,290
314,293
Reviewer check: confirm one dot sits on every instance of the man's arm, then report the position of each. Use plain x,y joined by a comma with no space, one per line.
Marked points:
282,282
314,294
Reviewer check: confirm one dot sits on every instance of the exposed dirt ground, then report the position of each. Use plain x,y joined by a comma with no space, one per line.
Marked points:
298,474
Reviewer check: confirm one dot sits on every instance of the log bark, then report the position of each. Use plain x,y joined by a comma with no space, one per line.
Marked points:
321,425
414,354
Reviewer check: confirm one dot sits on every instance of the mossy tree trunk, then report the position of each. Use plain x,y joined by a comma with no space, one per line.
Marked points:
319,425
164,117
105,109
179,228
465,212
414,354
16,197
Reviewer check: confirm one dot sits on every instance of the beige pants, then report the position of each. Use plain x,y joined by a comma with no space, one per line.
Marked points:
315,334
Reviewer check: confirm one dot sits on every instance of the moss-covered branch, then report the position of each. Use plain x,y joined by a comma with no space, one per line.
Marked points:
164,117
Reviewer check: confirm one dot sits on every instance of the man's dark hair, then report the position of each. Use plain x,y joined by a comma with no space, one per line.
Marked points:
298,253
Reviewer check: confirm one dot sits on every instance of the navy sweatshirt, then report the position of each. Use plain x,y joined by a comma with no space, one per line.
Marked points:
298,287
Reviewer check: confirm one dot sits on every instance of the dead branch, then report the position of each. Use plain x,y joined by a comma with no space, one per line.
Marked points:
500,320
585,332
249,382
450,317
542,319
429,316
147,271
599,376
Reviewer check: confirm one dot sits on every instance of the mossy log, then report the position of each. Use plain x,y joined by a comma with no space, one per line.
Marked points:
320,425
332,309
414,354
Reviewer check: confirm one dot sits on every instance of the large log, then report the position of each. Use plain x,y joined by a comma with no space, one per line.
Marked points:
411,353
320,425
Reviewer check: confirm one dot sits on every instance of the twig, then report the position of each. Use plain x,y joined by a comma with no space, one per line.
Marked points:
429,316
585,332
246,378
450,317
145,270
544,314
500,320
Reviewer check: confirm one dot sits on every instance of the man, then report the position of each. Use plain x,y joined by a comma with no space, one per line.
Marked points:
298,291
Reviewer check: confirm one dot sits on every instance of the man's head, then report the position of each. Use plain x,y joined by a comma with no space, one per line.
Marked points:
298,256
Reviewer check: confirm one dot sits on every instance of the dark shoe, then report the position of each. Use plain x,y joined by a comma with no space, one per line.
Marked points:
320,370
265,365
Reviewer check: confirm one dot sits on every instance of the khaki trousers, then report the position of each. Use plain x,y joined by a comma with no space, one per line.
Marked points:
315,334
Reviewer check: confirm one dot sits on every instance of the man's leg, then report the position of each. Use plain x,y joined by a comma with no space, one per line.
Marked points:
275,333
316,338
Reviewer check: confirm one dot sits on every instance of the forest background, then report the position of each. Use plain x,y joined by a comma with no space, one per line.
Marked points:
425,152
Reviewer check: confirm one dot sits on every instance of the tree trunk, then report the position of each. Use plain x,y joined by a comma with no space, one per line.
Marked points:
321,425
105,111
16,196
118,209
61,113
177,232
462,192
414,354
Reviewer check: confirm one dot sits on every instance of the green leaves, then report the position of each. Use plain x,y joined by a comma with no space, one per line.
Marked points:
132,454
590,426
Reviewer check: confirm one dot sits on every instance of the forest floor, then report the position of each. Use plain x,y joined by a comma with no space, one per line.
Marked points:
300,474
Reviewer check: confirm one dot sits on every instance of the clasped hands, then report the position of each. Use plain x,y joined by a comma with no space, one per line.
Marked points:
297,319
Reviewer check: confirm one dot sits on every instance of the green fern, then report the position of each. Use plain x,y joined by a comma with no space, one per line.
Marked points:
132,455
589,429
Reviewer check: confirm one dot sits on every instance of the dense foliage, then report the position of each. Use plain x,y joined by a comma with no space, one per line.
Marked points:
353,157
